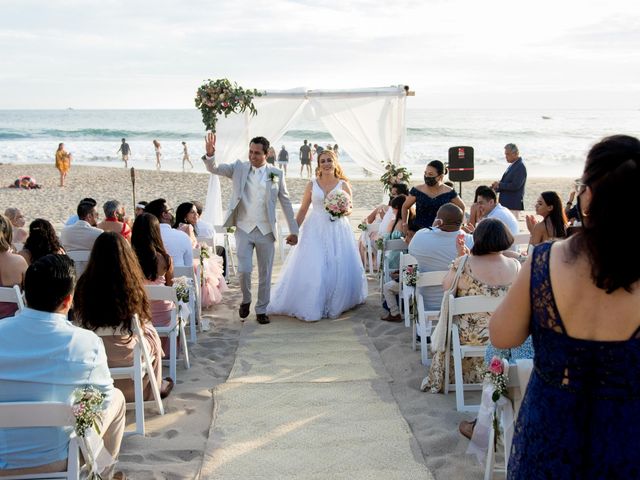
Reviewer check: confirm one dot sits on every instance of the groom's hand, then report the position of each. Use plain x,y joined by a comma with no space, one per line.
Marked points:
210,144
292,239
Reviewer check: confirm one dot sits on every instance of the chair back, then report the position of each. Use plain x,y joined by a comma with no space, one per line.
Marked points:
395,244
161,292
431,279
209,241
12,295
80,259
473,304
407,259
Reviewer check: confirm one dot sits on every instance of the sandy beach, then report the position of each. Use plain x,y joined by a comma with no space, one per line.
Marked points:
176,443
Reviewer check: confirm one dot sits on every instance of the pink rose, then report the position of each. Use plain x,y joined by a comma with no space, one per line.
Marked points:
495,366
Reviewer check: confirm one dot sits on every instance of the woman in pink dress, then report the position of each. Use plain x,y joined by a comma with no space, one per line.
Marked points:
213,282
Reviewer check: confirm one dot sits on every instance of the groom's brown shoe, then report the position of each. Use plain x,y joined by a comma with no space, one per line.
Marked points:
243,311
262,319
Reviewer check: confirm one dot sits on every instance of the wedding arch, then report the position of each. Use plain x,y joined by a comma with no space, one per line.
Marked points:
368,123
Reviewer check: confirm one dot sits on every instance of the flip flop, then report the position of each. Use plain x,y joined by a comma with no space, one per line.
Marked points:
167,386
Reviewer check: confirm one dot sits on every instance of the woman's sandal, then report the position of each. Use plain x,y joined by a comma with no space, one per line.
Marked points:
166,387
466,428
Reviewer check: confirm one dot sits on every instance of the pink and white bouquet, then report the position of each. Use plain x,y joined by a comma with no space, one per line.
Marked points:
499,380
337,204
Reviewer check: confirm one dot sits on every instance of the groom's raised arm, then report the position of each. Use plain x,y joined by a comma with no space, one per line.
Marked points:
209,158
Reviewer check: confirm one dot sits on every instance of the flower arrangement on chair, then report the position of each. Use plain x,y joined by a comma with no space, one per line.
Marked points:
217,97
499,380
87,408
394,174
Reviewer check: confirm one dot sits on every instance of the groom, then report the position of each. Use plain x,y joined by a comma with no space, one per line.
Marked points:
252,210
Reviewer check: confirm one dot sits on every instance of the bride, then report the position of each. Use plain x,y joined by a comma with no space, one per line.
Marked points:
322,276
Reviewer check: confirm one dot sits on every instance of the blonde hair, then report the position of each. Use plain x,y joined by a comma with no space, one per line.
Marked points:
6,234
337,168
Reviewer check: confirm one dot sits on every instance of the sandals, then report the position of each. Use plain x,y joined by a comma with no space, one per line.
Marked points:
466,428
166,387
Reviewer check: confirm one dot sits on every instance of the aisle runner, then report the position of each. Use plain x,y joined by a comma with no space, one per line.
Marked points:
308,401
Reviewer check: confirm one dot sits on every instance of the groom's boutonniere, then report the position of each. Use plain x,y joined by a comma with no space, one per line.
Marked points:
273,176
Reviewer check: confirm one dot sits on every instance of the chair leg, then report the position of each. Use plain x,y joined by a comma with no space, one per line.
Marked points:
423,345
139,393
185,349
457,370
491,455
173,349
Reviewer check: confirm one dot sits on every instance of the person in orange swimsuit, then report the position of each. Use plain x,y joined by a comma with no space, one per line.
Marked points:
63,162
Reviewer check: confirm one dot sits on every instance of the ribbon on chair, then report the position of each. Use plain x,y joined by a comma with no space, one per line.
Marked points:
97,458
183,311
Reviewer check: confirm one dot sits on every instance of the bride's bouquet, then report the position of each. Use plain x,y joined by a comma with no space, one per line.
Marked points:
337,204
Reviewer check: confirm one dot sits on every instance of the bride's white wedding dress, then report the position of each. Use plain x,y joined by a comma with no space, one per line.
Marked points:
323,275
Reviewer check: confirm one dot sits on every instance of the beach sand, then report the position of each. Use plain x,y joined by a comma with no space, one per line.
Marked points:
175,443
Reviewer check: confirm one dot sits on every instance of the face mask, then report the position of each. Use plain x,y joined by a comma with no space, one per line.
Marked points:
430,181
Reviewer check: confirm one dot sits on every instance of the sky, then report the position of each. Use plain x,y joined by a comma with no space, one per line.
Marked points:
452,53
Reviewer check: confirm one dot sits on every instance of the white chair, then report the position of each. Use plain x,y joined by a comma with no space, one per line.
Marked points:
519,375
368,256
423,325
43,414
175,327
12,295
521,240
141,367
461,306
406,292
389,246
80,259
195,295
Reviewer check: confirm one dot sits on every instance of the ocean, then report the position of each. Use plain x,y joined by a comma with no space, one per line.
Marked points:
552,143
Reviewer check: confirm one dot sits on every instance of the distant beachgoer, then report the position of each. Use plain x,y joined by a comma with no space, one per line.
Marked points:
271,156
158,148
511,185
335,149
63,162
283,160
185,156
25,181
126,151
305,159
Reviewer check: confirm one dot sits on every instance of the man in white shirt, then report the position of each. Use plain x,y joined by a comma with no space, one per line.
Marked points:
82,234
177,243
490,208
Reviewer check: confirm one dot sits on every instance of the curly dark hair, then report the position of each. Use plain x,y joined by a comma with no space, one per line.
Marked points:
42,239
111,289
147,243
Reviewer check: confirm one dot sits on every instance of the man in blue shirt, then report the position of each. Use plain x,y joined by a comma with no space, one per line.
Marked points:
43,357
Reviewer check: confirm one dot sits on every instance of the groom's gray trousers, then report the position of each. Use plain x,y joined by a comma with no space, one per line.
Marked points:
265,249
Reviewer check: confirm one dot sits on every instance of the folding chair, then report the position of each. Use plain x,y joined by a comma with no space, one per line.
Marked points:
423,325
228,251
460,306
406,292
12,295
43,414
195,296
80,259
388,246
175,327
141,367
520,240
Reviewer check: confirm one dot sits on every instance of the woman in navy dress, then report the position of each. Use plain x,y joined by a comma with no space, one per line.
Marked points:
580,300
430,196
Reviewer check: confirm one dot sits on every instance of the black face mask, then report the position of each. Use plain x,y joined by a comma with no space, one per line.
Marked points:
430,181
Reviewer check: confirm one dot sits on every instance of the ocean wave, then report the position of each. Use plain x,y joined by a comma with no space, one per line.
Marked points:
91,134
306,135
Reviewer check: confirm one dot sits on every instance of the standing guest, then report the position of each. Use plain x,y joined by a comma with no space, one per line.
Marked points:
511,185
580,300
176,242
430,196
283,160
12,266
554,223
82,234
63,162
74,218
158,148
125,150
42,241
490,208
44,358
185,156
17,220
271,156
114,219
140,206
113,272
305,159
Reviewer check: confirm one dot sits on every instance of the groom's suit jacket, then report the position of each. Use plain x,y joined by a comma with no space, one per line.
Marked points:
238,172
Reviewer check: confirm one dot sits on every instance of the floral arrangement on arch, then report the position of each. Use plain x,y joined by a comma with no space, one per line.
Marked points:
337,204
217,97
394,174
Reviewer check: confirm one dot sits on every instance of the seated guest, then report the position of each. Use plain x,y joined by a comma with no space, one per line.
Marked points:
43,357
486,272
114,219
554,221
12,266
176,242
474,211
82,234
113,272
17,220
490,208
42,241
204,229
74,218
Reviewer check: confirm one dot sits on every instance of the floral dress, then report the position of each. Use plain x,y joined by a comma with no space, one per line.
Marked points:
473,329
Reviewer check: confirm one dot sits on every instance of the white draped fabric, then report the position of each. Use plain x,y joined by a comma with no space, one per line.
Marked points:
368,124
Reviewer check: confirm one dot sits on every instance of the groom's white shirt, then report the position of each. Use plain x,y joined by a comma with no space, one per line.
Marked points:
252,210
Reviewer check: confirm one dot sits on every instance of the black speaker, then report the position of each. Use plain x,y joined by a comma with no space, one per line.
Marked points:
461,164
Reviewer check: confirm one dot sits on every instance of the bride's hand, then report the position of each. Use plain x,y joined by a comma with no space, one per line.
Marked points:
292,239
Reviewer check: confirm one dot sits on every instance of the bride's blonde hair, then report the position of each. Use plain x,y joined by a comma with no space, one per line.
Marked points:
337,168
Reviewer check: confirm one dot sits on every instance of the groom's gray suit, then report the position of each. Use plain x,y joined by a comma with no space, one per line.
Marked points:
252,210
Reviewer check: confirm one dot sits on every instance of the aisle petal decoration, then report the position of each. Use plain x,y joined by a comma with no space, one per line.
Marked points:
394,174
217,97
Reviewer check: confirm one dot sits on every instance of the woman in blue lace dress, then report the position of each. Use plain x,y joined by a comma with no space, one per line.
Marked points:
580,300
430,196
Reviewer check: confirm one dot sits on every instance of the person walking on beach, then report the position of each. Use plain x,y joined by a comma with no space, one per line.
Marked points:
511,185
305,159
156,145
185,156
125,151
63,162
252,209
283,160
